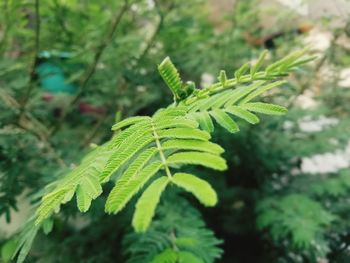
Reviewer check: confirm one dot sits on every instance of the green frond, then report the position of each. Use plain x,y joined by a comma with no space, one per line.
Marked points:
176,224
201,189
91,185
197,145
184,133
68,196
132,146
119,196
129,121
277,215
287,62
222,77
126,134
241,71
167,256
179,122
170,112
265,108
171,77
136,166
216,101
204,120
188,257
83,199
199,158
224,120
49,204
258,64
241,92
243,114
146,205
25,240
260,91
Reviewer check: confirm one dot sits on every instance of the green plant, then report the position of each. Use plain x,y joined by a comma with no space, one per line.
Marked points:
177,231
146,150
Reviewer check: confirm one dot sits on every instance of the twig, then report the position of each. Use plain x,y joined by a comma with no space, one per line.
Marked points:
61,21
31,83
120,90
156,31
32,125
92,68
6,27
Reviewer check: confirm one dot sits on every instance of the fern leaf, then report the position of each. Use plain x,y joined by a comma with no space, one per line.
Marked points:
119,158
225,120
136,166
222,77
213,101
83,199
265,108
197,145
146,205
170,112
216,101
50,202
243,114
188,257
171,77
127,133
286,62
201,189
242,92
204,120
167,256
68,196
26,244
204,159
261,90
178,122
258,64
184,133
91,186
119,196
241,71
129,121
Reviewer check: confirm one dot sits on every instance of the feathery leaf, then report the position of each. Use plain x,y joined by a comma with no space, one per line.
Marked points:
199,158
146,205
265,108
198,187
224,120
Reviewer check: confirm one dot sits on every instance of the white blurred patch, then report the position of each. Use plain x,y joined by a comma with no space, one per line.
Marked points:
318,40
344,78
325,163
150,4
306,100
207,79
287,125
299,6
309,125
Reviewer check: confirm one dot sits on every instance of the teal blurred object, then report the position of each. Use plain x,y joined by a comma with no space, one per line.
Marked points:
51,75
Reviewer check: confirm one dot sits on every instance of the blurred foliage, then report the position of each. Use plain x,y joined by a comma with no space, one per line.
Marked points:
270,209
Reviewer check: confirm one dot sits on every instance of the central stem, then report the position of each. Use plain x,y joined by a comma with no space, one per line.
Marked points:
161,153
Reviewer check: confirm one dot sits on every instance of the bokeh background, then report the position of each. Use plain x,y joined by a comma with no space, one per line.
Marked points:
69,69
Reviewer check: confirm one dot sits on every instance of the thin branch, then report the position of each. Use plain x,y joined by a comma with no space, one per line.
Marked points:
92,68
32,125
61,21
31,83
121,87
156,31
3,40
